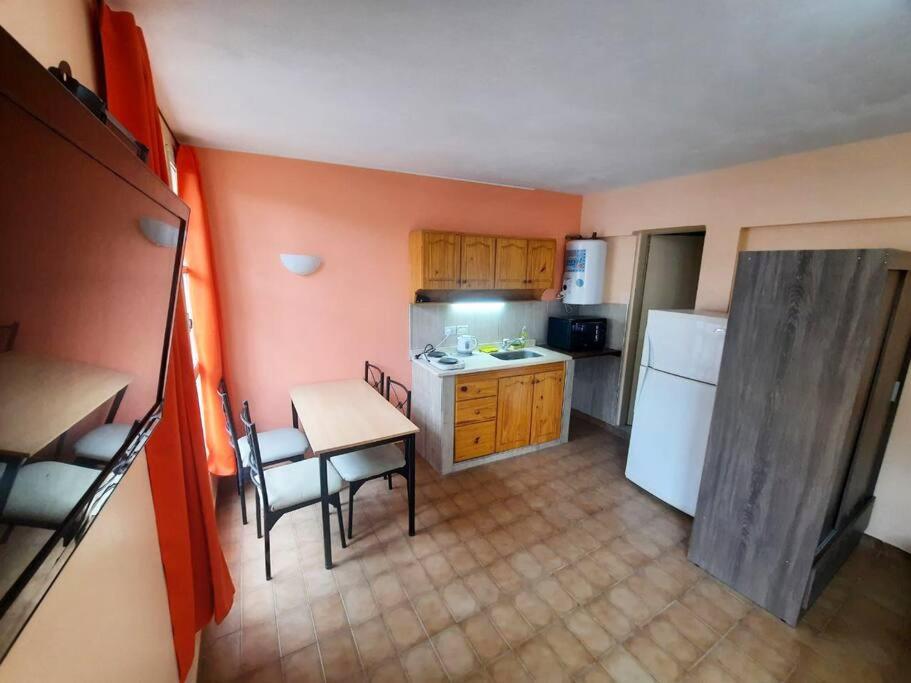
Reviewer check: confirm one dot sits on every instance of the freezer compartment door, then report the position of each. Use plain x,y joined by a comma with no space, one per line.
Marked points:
670,432
684,344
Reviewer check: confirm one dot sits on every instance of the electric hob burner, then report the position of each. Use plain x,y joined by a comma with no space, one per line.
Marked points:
445,361
436,354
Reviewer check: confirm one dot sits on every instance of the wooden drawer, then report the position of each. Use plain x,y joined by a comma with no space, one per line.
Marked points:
475,440
469,388
476,410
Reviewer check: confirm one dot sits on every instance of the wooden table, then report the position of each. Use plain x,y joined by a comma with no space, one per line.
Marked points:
41,398
349,415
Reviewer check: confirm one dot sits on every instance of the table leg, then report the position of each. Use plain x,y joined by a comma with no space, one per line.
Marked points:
115,405
7,480
324,504
409,462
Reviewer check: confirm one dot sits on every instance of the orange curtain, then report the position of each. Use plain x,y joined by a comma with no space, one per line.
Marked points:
199,583
206,312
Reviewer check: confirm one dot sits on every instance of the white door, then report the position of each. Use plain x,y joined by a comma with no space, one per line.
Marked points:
684,344
670,433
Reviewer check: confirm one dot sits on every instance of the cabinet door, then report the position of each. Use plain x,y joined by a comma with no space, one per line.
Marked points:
547,411
478,259
514,399
540,271
441,260
511,263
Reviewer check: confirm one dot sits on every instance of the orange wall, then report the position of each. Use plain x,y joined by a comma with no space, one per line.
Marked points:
851,196
282,329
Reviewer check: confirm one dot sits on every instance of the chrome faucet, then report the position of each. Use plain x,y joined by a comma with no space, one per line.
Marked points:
507,342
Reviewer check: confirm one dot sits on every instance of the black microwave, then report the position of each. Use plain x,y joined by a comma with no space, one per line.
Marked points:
577,334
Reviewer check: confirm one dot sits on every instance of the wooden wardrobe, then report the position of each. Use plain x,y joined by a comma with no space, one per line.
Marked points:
812,371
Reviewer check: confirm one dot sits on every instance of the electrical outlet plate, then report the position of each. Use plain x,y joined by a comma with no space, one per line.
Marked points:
462,329
450,330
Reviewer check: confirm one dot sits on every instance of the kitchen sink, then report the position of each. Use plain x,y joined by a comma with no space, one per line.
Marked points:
515,355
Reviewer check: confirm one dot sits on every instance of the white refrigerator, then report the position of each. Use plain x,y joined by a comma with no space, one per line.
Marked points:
675,395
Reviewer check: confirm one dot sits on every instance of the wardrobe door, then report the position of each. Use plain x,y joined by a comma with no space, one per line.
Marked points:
797,365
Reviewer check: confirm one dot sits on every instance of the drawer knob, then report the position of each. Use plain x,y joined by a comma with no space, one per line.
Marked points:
463,388
477,412
477,439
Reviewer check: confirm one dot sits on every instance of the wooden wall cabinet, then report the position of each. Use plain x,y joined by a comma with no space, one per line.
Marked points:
539,272
816,353
453,262
479,257
512,263
435,259
501,410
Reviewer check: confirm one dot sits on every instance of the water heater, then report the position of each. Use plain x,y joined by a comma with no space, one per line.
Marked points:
583,272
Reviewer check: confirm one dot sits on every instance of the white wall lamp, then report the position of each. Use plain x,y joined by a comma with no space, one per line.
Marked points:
159,233
301,264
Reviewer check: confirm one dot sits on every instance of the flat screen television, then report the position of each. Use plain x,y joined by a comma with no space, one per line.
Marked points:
91,244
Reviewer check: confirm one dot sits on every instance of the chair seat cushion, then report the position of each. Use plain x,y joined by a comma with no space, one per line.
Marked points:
102,442
298,482
44,493
275,445
369,462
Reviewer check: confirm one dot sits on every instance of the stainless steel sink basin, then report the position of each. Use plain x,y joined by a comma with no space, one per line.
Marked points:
515,355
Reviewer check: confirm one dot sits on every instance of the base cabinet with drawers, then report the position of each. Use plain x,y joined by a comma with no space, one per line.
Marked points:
502,410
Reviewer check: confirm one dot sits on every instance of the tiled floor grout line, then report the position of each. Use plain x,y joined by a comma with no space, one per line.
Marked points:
532,495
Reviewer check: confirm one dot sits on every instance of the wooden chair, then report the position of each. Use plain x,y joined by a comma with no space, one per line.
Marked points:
276,445
359,467
374,376
8,336
285,488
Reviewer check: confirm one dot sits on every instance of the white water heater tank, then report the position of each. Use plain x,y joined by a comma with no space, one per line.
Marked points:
583,272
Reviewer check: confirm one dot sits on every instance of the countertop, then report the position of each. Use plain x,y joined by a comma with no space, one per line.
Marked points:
482,362
591,354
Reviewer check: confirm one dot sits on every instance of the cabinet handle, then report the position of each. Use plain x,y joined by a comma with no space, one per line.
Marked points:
477,439
463,388
477,412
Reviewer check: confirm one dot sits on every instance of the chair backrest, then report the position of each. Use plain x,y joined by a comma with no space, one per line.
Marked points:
399,395
229,422
374,376
256,461
8,336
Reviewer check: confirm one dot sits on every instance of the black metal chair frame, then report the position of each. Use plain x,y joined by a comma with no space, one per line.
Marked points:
265,517
404,405
370,376
241,471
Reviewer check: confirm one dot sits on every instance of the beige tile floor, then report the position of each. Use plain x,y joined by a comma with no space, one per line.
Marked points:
547,567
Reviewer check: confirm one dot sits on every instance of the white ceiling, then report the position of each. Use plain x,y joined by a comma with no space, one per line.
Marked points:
570,95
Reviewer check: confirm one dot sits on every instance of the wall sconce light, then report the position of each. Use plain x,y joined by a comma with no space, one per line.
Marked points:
301,264
158,232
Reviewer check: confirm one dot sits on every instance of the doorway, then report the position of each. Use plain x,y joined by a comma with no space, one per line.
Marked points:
668,263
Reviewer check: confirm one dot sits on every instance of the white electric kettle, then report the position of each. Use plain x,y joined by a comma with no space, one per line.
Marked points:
466,343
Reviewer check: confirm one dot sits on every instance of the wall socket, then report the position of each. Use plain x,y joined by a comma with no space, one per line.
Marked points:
450,330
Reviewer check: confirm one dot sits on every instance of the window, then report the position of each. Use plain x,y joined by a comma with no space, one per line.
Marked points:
185,281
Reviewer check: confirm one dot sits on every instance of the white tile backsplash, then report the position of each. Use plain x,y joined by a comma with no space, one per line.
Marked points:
487,323
493,323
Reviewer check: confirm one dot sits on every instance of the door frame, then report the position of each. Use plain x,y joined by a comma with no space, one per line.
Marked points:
634,310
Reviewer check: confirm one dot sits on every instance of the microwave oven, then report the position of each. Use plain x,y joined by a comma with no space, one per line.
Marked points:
577,334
